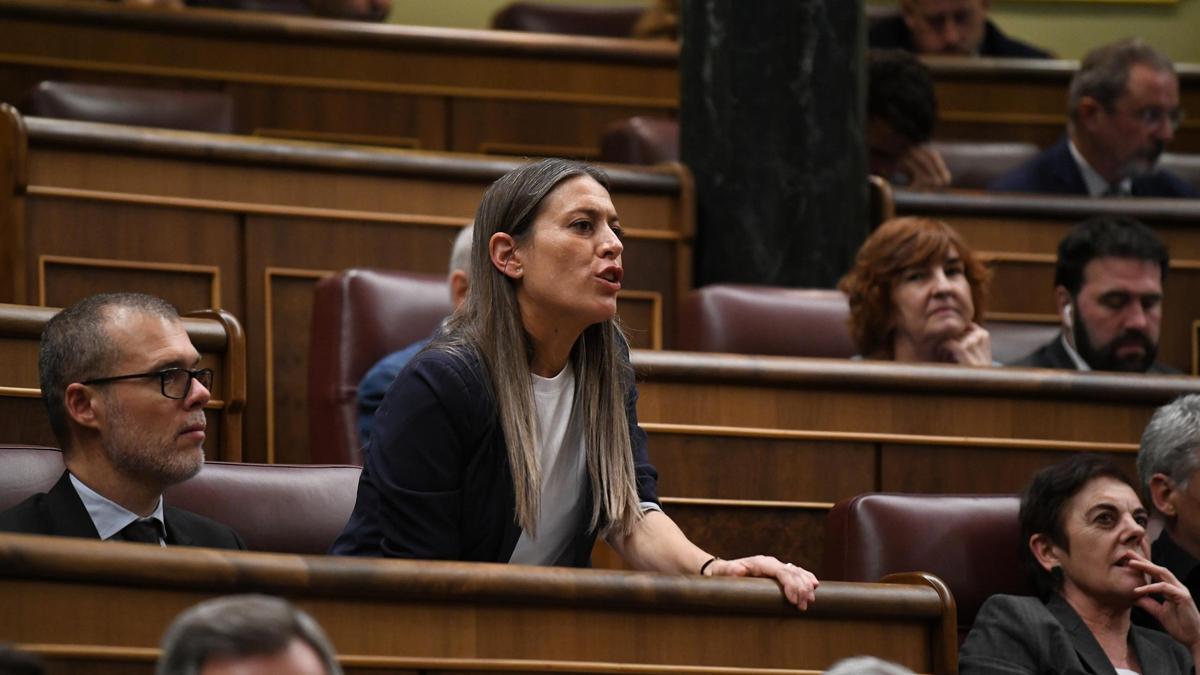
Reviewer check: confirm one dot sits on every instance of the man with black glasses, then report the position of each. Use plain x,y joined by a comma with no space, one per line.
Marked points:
126,402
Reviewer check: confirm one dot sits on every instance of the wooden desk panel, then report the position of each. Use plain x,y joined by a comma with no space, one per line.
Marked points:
251,225
1019,234
436,89
462,90
940,401
74,596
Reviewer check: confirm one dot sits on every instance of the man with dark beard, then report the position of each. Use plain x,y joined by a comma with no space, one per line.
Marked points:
1123,108
126,402
1108,288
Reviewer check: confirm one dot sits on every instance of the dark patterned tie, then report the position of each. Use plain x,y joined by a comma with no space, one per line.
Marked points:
145,530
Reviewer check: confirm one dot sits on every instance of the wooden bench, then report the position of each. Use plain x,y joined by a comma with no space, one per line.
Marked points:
250,225
216,334
81,603
753,451
448,89
1019,234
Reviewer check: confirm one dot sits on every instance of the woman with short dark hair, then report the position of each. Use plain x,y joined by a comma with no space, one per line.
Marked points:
1083,536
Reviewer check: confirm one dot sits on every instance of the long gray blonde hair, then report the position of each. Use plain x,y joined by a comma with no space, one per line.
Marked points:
489,325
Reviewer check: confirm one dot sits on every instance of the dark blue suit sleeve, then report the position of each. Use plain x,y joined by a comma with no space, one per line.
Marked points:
644,472
375,383
426,431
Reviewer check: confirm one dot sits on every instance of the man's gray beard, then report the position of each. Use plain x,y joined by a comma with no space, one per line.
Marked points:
131,453
1141,165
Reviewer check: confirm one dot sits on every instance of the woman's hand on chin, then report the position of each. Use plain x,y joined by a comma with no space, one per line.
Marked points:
972,348
798,584
1177,612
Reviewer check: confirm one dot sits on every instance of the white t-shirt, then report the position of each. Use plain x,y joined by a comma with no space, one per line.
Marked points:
561,456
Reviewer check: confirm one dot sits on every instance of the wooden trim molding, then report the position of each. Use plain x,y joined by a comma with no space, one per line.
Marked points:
269,346
212,271
656,316
662,428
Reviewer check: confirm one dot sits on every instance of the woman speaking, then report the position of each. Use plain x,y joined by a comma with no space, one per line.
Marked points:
513,437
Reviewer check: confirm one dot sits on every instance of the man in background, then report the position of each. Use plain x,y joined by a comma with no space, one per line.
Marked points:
948,28
1108,286
901,113
1123,108
246,635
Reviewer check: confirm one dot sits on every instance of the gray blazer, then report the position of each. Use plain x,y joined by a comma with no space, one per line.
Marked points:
1020,634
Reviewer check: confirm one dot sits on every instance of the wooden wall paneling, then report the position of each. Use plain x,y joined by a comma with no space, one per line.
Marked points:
13,180
439,616
81,243
62,280
321,114
892,398
535,129
980,469
791,531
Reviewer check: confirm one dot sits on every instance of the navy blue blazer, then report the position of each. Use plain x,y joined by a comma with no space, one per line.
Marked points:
1054,171
893,33
61,512
1054,355
436,481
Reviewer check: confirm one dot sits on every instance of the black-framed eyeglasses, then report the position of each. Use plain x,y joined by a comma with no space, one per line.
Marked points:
176,383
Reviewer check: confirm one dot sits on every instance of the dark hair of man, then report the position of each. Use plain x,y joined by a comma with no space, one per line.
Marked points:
1106,237
900,92
1104,72
239,626
1043,503
76,346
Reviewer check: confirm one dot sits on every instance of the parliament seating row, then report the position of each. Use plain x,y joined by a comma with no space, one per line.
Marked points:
427,616
459,90
969,541
207,220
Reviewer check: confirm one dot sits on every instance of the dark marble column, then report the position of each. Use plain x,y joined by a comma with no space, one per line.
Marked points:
772,127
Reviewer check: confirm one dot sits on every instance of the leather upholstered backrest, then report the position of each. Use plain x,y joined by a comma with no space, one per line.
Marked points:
538,17
974,164
641,140
274,507
281,508
136,106
972,542
360,316
26,470
766,320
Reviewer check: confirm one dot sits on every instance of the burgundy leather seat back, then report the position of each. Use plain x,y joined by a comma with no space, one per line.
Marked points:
743,319
971,541
279,508
641,140
537,17
26,470
360,316
973,164
274,507
114,104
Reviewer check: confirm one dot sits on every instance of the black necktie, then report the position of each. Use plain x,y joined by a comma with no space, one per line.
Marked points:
145,530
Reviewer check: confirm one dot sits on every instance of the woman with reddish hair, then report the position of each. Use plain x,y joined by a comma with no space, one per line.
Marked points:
917,293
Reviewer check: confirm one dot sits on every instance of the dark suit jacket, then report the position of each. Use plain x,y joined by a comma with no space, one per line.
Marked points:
1054,355
61,512
1054,171
1020,634
436,482
893,33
